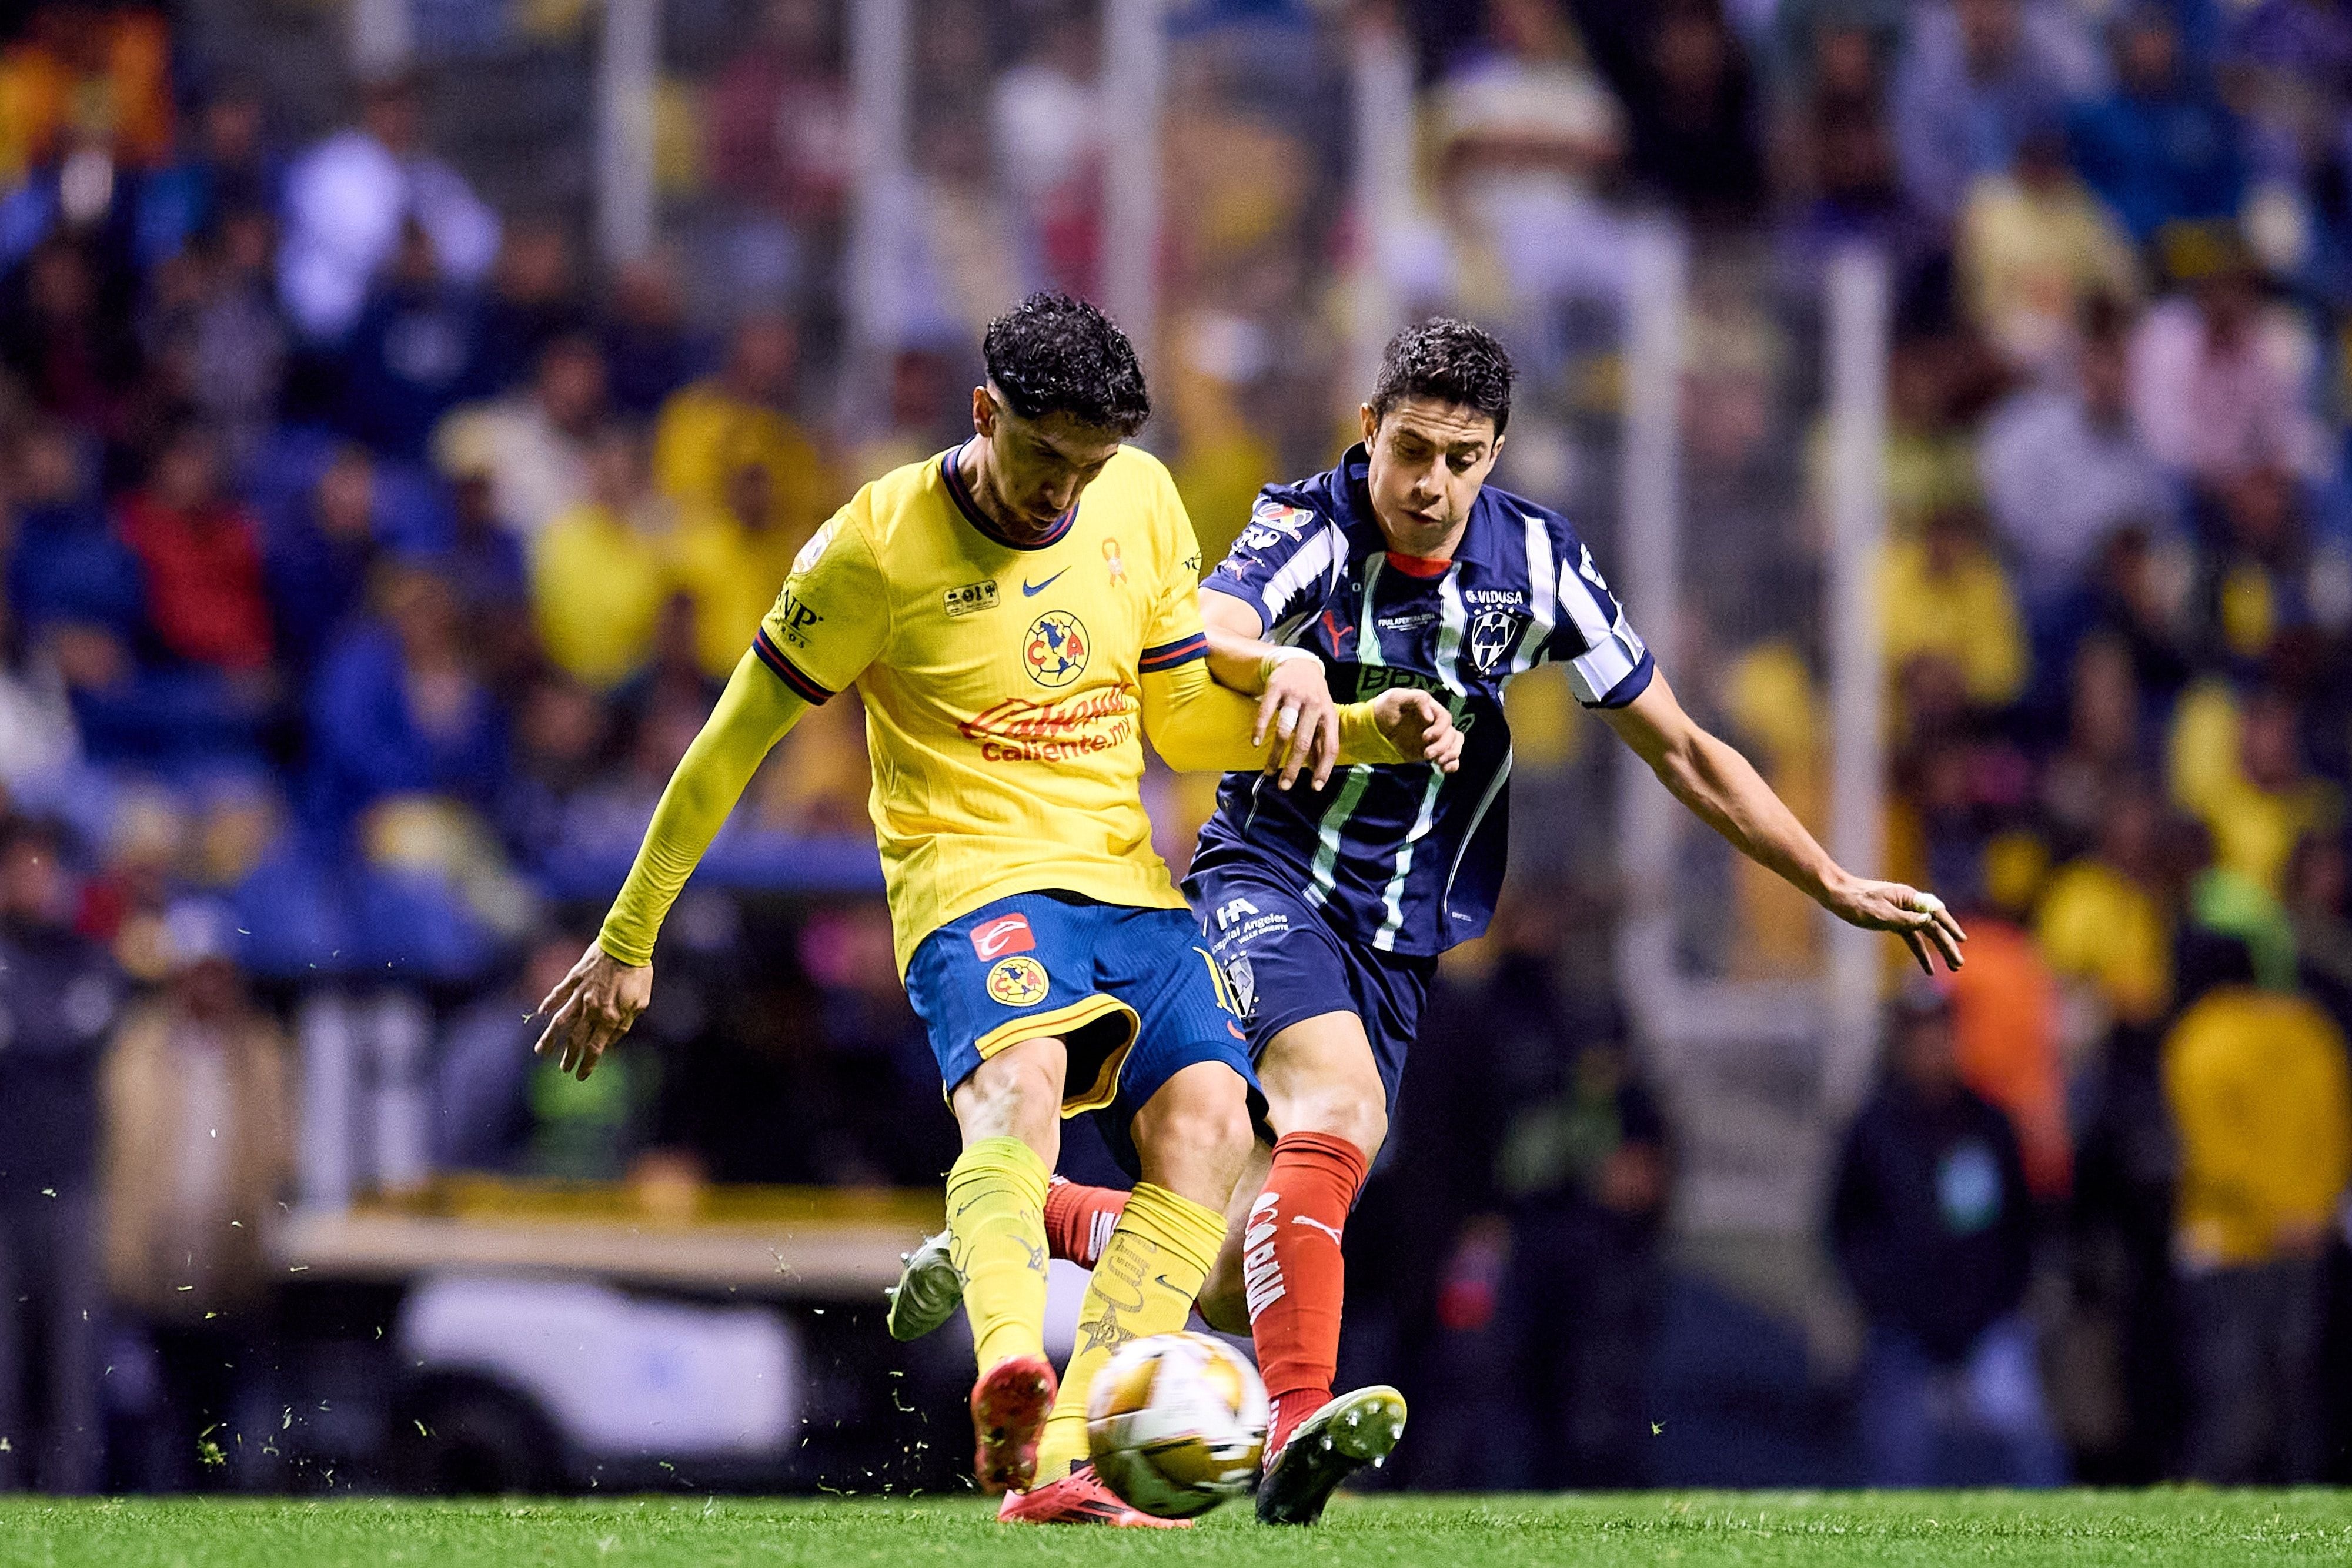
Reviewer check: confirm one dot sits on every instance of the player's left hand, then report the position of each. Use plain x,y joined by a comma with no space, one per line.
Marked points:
591,1008
1296,702
1419,726
1920,918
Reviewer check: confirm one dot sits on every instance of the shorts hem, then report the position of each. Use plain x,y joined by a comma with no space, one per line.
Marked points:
1062,1021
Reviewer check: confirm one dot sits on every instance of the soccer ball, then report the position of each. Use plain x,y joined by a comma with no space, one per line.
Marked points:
1177,1424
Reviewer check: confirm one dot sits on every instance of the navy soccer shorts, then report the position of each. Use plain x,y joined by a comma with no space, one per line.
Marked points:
1132,993
1284,963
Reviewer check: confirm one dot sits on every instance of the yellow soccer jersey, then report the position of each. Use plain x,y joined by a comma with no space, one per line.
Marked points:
1003,709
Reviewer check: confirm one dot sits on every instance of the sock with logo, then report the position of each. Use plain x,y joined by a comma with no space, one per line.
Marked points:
1159,1256
996,1227
1295,1276
1078,1219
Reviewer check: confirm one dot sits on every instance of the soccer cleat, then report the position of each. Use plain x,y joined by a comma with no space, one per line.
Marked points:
1352,1431
1080,1498
1009,1406
929,1290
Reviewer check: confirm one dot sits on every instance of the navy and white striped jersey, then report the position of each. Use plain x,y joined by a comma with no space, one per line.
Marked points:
1409,859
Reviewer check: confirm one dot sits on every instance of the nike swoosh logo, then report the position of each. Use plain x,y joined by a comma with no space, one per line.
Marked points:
1029,591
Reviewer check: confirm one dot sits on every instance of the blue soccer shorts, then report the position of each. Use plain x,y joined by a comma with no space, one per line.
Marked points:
1284,963
1132,993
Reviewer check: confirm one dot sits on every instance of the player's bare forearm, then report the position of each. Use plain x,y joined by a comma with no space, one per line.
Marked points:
1723,790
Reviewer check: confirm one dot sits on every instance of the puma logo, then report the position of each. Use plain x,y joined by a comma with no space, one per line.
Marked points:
1330,1231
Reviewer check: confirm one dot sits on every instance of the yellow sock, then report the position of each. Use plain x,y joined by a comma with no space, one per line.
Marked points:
1150,1271
996,1224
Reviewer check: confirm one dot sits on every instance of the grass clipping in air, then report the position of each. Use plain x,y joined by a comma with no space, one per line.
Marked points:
1753,1529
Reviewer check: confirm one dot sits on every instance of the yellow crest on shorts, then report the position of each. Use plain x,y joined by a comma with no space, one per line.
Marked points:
1018,982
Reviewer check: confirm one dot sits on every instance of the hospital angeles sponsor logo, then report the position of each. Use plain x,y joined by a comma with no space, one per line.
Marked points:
1019,982
1021,729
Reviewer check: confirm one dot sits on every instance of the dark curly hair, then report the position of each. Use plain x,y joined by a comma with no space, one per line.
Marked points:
1448,361
1053,354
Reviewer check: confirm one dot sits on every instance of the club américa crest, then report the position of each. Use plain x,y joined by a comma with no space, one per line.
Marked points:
1055,648
1019,982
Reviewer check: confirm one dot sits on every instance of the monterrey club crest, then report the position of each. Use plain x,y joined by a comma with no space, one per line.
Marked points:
1491,636
1019,982
1241,976
1055,648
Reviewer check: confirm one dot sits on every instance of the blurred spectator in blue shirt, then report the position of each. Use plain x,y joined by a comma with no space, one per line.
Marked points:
533,300
1932,1224
347,199
237,339
649,352
66,565
419,349
230,170
56,1010
2065,466
316,555
1976,78
2162,148
397,708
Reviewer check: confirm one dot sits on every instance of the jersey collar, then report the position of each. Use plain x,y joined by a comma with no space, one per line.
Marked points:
959,492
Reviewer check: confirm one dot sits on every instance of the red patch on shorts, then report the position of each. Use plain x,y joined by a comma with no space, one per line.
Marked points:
992,939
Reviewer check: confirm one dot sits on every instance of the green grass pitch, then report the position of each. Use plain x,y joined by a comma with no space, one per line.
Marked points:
1753,1529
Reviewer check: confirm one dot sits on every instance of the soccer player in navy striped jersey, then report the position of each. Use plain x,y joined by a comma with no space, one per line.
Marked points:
1328,908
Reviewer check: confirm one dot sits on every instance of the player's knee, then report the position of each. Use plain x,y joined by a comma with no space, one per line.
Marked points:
1199,1119
1356,1112
1009,1094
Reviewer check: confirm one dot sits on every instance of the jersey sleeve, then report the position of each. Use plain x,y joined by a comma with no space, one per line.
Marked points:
1286,560
1175,636
833,615
1608,664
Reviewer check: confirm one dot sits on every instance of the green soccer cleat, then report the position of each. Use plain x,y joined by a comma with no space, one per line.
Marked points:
1352,1431
928,1292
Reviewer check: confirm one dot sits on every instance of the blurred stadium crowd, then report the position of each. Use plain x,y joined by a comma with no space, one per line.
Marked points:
371,558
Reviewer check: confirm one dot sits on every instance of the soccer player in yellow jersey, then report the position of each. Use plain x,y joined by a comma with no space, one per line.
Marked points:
1017,616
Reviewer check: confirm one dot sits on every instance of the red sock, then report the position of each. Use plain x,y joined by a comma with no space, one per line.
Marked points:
1079,1220
1293,1272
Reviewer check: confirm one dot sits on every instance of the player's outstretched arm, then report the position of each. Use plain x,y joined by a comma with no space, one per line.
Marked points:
1712,779
1294,699
594,1005
1198,726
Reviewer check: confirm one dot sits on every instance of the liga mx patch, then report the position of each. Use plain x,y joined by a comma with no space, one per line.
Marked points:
1019,982
970,599
1005,933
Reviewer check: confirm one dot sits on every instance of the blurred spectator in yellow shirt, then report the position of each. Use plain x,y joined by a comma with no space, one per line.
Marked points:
97,68
2257,1083
2033,246
731,559
2240,768
604,570
2105,925
711,428
1943,597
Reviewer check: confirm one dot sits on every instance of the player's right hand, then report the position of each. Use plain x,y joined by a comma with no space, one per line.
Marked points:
591,1008
1419,726
1296,702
